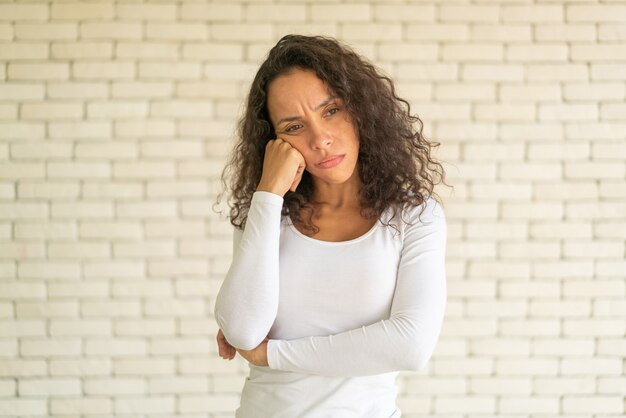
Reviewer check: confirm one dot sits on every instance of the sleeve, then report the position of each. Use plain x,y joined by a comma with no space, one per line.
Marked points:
407,339
247,302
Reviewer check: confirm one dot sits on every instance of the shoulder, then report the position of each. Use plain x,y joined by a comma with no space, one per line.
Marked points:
427,219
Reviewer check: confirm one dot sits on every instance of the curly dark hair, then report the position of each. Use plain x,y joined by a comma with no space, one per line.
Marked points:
394,161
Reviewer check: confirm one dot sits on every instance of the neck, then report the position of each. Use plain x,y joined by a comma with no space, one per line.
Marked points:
337,196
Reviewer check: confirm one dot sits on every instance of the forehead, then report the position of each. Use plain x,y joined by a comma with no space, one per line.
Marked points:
295,89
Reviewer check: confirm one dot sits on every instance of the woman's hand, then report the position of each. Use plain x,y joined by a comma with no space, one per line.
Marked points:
226,350
257,356
283,166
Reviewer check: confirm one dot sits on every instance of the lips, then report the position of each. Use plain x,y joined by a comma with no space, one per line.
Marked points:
331,161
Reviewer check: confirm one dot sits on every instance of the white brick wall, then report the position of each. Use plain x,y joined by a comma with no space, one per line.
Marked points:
115,120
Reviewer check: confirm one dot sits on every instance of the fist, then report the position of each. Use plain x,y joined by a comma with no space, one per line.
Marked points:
283,166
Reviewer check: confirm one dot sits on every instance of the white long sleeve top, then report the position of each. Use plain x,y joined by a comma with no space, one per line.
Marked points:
343,318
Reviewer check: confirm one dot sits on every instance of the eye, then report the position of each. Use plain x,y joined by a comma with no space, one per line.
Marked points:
333,110
292,128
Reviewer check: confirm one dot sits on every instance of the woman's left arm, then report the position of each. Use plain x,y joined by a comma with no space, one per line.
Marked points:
405,341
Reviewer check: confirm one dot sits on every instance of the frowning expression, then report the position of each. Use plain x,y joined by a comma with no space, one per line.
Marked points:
307,114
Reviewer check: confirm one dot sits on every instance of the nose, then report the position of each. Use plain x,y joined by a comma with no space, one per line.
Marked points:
319,137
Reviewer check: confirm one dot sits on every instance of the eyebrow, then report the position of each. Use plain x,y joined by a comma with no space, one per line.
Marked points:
319,106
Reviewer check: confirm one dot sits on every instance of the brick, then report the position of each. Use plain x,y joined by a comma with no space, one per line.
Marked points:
152,288
23,12
82,405
21,51
178,188
112,30
464,91
104,70
215,12
170,70
113,268
16,367
186,345
504,112
209,403
15,171
22,327
501,33
567,111
495,72
599,131
22,92
537,52
593,404
80,327
80,367
499,385
161,209
42,230
48,190
565,32
501,191
143,169
145,327
77,290
105,151
6,33
594,91
50,269
430,72
22,407
178,385
465,404
528,367
82,210
141,405
396,13
612,111
563,385
142,89
531,171
182,109
493,229
473,13
593,327
20,130
38,347
176,31
76,90
215,51
52,110
608,71
119,191
84,250
531,289
111,309
564,347
276,12
145,249
48,309
557,72
529,404
22,251
81,50
534,13
145,128
145,367
370,32
117,109
181,267
27,211
115,386
76,170
49,31
145,50
115,347
47,387
559,151
241,32
78,11
560,190
595,170
437,32
146,11
230,72
596,14
111,230
473,52
611,32
500,347
38,71
563,230
598,52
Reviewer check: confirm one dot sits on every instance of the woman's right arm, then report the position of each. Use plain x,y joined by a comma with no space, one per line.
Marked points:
247,302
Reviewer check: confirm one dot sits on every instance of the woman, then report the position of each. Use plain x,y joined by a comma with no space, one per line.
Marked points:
338,279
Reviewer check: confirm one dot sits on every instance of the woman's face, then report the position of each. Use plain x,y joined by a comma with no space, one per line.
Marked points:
306,114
